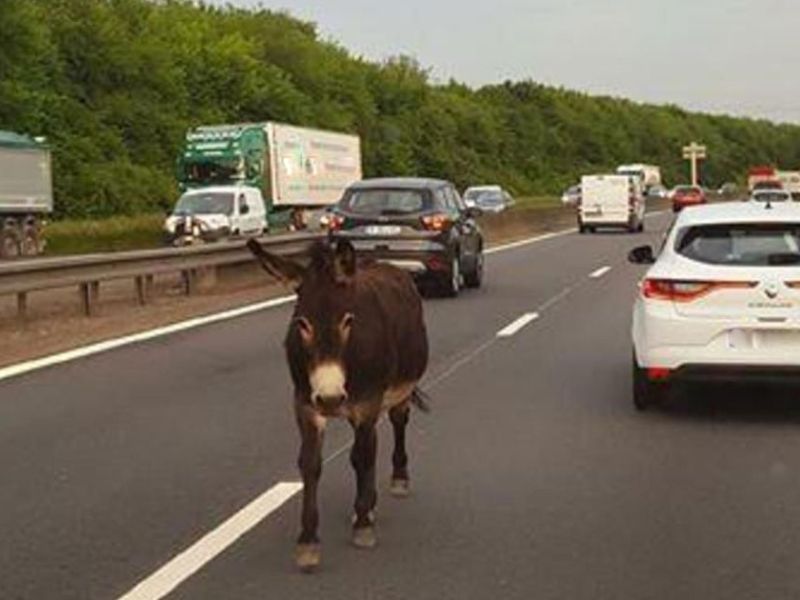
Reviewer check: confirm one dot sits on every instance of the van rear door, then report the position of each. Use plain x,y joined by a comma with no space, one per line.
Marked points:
606,198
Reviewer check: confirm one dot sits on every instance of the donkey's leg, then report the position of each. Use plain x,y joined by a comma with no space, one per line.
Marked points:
399,416
362,457
310,462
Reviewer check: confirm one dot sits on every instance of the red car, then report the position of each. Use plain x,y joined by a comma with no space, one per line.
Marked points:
687,195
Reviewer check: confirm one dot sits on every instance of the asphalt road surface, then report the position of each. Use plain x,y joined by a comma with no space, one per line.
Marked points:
533,477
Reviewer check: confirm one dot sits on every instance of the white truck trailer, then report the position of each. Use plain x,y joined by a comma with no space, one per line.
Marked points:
649,175
26,194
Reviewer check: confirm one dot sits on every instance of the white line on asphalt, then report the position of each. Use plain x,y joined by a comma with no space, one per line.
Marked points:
191,560
55,359
600,272
514,327
528,241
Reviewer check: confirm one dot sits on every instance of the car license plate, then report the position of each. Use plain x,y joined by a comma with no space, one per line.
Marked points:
766,339
383,229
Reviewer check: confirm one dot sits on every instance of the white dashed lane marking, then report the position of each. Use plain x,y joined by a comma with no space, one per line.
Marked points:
516,326
600,272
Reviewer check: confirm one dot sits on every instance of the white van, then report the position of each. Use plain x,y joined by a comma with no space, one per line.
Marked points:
611,201
217,213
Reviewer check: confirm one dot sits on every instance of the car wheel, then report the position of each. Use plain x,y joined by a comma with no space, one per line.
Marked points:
645,393
451,284
475,278
641,226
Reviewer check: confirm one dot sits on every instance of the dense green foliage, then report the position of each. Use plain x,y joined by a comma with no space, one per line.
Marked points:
114,84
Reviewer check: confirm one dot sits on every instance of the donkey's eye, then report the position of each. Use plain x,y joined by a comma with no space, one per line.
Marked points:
305,328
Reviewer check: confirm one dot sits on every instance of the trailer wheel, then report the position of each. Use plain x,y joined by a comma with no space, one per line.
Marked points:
29,245
9,243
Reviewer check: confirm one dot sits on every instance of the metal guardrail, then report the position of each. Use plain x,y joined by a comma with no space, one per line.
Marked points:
88,271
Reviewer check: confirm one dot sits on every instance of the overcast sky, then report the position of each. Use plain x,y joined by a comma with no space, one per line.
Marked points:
732,56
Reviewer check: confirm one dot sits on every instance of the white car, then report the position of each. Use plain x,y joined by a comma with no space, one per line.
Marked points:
771,196
721,300
572,196
216,213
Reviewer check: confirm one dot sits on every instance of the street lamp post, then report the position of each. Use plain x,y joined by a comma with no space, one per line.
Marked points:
694,152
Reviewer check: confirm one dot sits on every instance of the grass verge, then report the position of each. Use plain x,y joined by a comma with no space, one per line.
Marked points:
107,235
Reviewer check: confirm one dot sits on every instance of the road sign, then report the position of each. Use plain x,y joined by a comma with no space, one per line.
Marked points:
694,152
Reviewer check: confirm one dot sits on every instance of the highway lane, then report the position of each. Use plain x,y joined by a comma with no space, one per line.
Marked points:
532,474
113,464
535,478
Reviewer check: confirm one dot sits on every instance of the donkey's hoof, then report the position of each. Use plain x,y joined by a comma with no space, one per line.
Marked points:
364,537
400,488
308,557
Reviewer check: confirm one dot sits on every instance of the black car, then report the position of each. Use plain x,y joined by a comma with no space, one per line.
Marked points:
421,225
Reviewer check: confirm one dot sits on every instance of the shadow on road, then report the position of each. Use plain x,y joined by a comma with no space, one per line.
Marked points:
720,403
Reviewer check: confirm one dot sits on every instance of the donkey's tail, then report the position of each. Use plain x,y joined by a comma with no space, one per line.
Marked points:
420,400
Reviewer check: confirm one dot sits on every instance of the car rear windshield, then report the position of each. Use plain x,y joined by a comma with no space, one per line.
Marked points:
776,196
687,190
751,244
490,198
385,202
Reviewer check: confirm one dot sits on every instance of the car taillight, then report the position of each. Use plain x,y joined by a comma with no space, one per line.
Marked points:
687,291
437,222
795,285
658,373
333,222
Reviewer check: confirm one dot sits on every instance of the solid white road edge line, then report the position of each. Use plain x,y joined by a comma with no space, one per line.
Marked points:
191,560
528,241
70,355
599,272
514,327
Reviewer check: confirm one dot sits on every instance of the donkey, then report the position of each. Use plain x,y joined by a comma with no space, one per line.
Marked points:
356,347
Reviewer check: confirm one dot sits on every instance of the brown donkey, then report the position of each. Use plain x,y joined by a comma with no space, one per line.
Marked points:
356,347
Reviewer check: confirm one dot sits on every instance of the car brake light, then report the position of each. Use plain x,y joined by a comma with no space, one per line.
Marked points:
658,373
687,291
437,222
795,285
333,222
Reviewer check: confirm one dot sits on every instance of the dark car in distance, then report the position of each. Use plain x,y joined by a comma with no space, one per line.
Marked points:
420,225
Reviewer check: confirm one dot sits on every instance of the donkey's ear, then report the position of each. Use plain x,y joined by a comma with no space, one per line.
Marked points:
283,269
344,260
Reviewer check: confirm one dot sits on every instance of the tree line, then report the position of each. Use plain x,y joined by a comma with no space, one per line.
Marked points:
115,84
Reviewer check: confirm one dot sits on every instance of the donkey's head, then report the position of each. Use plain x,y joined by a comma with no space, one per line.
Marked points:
323,316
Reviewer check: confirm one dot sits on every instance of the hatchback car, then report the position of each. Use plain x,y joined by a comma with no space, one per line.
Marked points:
721,300
687,195
489,198
571,196
420,225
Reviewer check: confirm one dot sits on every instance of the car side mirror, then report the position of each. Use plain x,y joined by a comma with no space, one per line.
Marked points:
642,255
473,212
